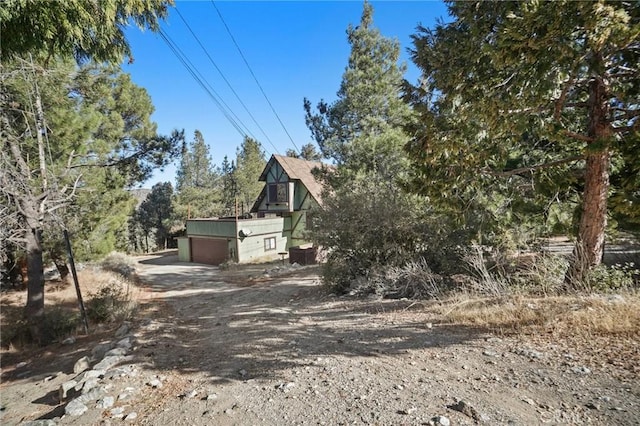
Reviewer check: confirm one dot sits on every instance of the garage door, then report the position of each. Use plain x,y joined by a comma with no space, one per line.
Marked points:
209,251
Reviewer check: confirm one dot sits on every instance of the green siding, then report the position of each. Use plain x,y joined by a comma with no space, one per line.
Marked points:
184,250
252,247
212,228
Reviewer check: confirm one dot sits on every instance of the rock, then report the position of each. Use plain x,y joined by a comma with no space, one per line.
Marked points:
21,364
90,384
530,353
489,353
529,401
440,421
408,411
154,383
131,416
286,387
243,373
212,397
116,352
65,388
97,353
75,408
117,412
467,410
581,370
592,406
126,343
69,341
191,394
92,395
106,402
45,422
122,331
81,365
109,361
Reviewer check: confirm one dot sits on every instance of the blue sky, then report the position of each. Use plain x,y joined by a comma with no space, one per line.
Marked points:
296,49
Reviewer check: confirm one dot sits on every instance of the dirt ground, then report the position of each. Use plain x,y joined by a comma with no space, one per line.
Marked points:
241,348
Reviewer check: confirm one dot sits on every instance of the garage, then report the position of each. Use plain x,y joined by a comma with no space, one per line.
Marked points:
209,250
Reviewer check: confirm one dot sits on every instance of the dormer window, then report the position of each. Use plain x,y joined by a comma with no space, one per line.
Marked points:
278,192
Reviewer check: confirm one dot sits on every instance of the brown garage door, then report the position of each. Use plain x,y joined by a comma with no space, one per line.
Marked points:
209,251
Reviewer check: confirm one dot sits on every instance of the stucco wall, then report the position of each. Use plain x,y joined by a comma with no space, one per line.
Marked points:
252,247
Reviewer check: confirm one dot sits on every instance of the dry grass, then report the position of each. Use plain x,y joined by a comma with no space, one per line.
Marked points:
567,315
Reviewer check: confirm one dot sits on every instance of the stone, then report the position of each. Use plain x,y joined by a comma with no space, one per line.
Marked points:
468,410
110,361
530,353
191,394
45,422
126,343
122,331
106,402
116,352
154,383
212,397
489,353
117,412
581,370
131,416
81,365
440,421
65,388
92,395
75,408
97,353
69,341
90,384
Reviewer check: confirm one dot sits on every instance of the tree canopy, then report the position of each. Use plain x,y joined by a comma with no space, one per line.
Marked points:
525,95
87,30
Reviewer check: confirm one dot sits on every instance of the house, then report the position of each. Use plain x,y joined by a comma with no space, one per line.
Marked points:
280,217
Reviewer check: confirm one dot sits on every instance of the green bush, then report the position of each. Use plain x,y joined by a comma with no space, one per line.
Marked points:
58,324
616,277
111,303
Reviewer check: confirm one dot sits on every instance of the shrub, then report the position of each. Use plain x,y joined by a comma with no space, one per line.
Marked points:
58,323
616,277
111,303
120,264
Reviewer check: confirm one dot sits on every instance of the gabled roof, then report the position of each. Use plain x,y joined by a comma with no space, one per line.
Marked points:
298,169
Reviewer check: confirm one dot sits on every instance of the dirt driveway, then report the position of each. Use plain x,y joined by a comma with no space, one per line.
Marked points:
244,348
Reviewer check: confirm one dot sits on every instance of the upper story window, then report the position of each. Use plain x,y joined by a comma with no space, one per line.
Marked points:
278,192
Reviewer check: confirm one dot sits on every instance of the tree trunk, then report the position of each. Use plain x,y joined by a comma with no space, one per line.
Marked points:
34,310
589,248
62,267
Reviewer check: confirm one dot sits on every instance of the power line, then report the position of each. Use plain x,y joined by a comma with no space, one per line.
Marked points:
225,79
253,75
235,122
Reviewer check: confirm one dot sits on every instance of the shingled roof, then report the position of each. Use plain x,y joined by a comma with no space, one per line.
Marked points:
298,169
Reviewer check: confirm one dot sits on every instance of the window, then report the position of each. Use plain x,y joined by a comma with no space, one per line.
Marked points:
278,192
269,243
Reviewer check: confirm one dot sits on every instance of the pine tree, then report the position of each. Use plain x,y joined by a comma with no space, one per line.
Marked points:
362,131
250,163
532,95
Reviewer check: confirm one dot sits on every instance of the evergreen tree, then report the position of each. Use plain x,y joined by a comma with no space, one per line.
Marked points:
228,187
33,190
363,132
250,162
307,152
535,95
197,183
155,213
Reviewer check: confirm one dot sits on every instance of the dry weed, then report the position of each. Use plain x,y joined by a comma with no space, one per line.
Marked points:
568,315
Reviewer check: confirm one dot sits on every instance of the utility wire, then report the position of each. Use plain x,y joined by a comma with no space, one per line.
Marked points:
235,122
225,79
253,75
